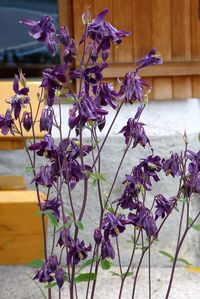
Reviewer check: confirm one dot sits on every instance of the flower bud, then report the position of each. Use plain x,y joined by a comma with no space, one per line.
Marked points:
64,36
46,120
27,120
60,277
52,263
97,236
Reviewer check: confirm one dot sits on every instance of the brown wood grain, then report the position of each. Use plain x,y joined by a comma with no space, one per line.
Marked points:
123,19
182,88
162,88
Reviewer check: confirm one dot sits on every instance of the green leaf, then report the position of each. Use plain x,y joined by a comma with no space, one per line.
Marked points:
97,176
51,217
183,261
106,264
167,255
51,285
194,226
79,224
69,213
36,264
84,277
87,263
115,273
190,220
183,200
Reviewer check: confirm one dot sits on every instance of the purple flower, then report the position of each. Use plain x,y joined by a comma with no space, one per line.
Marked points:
77,252
20,98
44,274
60,277
106,95
144,219
163,206
27,120
135,130
44,177
52,263
98,236
69,52
192,183
72,148
52,81
45,147
64,36
172,165
46,120
132,87
64,237
113,225
128,200
53,205
43,31
85,111
6,123
149,59
107,250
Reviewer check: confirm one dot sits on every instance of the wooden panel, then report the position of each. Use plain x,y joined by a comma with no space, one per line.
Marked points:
123,52
182,88
21,239
195,44
181,30
142,27
9,182
162,88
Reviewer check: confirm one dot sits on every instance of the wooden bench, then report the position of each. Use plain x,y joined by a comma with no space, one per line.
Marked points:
21,239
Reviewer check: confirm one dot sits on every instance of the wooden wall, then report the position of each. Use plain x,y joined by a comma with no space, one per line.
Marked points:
172,26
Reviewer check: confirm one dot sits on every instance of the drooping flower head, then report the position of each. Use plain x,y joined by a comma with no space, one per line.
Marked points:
172,165
77,252
46,120
53,205
6,123
149,59
113,225
27,120
163,206
45,147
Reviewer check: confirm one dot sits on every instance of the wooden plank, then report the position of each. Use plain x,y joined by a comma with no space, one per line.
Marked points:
162,88
65,15
195,44
181,30
123,52
78,9
182,88
161,18
21,239
9,182
142,27
186,68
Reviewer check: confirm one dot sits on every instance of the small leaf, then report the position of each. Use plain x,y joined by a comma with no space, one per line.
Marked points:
194,226
84,277
66,225
183,261
51,217
69,213
95,176
167,255
51,285
115,273
36,264
183,200
106,264
79,224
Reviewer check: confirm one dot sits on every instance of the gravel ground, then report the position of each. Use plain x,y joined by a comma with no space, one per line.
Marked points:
15,284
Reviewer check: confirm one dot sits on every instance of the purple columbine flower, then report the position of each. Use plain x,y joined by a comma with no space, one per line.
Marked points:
53,205
107,250
72,148
69,52
20,98
6,123
44,177
135,130
64,36
65,237
132,88
149,59
51,43
45,147
44,274
43,31
52,81
77,252
60,277
46,120
172,165
144,219
113,225
128,200
98,236
163,206
106,95
192,183
52,263
27,120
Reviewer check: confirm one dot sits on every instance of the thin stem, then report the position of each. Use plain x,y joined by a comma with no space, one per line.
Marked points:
119,258
149,264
